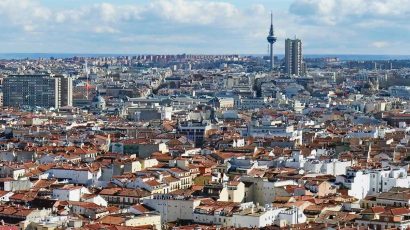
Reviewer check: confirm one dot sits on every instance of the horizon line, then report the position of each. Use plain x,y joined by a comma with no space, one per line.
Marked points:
249,54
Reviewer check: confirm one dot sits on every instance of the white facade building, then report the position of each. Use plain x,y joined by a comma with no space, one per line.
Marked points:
173,208
331,167
70,193
362,183
75,175
261,218
250,216
262,191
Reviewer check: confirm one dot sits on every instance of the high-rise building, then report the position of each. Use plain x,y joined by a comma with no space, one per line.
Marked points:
293,57
37,90
271,40
66,91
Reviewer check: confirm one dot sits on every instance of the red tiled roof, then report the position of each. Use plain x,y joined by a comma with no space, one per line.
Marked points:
399,211
141,208
152,183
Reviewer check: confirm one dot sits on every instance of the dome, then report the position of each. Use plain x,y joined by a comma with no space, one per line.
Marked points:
98,102
98,99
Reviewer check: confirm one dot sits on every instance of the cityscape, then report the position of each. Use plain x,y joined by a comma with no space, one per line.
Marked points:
98,135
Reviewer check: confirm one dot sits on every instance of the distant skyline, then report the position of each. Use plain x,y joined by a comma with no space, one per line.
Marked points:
203,26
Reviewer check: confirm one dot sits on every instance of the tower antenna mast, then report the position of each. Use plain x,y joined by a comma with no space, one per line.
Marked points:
271,40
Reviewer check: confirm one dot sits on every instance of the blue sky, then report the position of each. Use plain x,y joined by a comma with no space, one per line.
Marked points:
203,26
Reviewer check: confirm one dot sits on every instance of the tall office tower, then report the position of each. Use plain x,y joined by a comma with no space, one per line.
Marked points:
293,57
36,90
271,40
66,90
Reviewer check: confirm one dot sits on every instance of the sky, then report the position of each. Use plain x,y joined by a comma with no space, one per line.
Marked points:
203,26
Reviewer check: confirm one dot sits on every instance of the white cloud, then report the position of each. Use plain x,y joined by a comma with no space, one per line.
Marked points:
152,22
105,29
210,25
72,15
108,12
161,39
196,12
191,12
29,28
23,13
379,44
332,12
